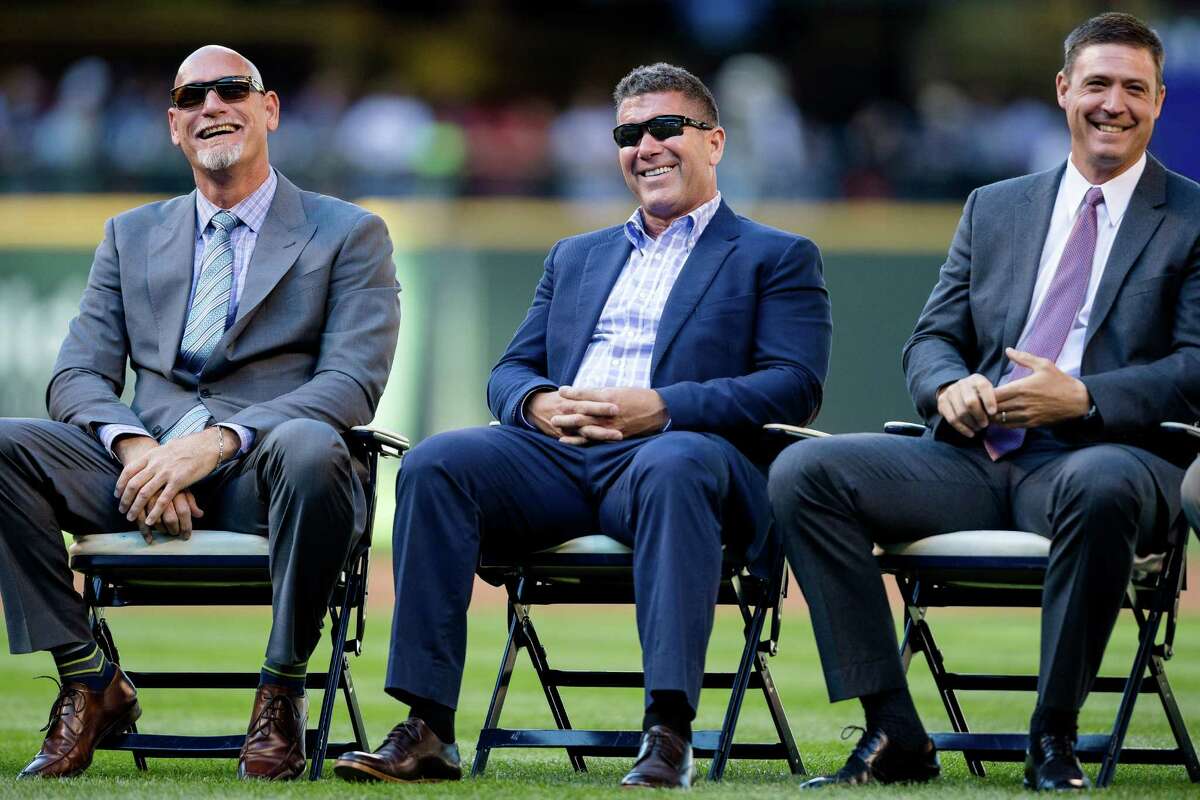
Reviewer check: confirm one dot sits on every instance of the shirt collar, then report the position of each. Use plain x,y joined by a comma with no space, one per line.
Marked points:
695,222
251,211
1117,192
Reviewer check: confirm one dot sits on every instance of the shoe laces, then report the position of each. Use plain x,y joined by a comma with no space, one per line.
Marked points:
272,712
70,696
404,735
855,763
657,741
1057,745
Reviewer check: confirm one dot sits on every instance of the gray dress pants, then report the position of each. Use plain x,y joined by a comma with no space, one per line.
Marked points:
298,486
833,498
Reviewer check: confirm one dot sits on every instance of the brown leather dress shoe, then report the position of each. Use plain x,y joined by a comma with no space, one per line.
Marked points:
79,719
663,762
411,752
274,746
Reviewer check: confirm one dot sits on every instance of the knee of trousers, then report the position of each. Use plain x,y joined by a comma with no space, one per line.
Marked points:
15,433
1110,484
679,462
444,456
308,450
797,473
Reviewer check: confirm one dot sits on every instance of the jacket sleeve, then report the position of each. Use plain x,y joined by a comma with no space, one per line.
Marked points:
934,354
357,344
523,367
89,374
791,356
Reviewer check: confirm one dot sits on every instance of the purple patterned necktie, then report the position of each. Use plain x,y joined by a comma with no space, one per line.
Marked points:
1059,310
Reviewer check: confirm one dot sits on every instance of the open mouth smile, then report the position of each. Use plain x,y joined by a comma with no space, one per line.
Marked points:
1108,128
213,131
656,171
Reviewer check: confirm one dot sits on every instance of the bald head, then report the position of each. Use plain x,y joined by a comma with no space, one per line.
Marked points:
196,65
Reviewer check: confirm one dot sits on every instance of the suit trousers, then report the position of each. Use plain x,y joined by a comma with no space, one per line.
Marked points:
298,487
508,489
834,498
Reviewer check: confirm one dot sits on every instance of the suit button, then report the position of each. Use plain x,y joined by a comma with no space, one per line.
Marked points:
205,393
156,430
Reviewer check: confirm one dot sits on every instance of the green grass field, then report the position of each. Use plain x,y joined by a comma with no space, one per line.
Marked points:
579,638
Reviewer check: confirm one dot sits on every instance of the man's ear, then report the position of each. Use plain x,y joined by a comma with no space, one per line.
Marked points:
716,143
171,112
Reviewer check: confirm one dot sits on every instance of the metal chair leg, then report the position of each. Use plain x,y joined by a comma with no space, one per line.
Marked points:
340,627
108,646
782,728
537,656
737,694
508,662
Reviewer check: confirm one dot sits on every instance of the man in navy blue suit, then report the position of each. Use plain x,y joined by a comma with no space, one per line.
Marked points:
631,400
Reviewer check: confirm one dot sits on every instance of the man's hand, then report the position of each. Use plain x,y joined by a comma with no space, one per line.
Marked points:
967,404
175,521
1045,397
608,415
149,483
543,407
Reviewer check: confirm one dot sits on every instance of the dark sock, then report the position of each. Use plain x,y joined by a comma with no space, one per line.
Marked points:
83,662
1058,721
894,712
670,708
438,717
289,676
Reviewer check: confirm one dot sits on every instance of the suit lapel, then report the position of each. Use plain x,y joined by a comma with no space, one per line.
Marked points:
600,272
1141,220
697,273
1031,224
170,259
284,233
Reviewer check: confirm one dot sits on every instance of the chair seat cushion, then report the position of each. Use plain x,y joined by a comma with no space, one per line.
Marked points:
995,544
202,543
595,544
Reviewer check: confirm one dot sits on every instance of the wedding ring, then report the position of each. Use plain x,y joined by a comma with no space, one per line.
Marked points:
1003,417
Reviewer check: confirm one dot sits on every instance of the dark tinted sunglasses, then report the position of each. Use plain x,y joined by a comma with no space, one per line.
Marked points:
231,89
660,127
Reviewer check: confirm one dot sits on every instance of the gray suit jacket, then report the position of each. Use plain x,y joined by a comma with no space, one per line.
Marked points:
314,335
1141,359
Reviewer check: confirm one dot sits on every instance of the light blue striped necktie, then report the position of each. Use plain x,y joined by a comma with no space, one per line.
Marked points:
207,316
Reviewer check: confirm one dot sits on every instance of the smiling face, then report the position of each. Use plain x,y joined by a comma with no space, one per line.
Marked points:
672,177
1112,98
216,136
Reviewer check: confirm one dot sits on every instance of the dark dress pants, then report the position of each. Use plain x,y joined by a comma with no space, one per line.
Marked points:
297,487
666,496
833,498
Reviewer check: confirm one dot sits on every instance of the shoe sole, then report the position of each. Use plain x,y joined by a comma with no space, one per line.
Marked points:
360,773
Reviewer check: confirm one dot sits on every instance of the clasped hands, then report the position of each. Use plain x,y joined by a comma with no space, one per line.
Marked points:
579,416
1044,397
153,490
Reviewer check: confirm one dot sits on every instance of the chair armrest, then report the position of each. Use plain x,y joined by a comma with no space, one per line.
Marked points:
388,443
904,428
1181,428
795,431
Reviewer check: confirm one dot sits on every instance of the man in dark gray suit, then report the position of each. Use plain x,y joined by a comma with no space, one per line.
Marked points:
260,322
1064,327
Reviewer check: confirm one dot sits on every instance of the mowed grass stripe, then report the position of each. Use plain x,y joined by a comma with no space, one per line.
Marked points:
575,638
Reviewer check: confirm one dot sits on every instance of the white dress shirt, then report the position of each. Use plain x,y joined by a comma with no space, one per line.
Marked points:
1117,194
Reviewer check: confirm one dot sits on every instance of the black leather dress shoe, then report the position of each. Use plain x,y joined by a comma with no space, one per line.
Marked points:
1051,765
876,759
663,762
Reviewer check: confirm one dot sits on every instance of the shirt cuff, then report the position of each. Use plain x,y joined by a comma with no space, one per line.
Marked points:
109,433
524,400
244,434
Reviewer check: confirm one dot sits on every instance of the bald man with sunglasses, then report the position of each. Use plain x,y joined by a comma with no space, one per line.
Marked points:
260,323
631,401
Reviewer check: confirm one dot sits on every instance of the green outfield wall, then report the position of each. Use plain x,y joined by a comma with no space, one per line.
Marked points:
468,270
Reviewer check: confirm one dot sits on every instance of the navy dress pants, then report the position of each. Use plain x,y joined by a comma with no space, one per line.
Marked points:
667,496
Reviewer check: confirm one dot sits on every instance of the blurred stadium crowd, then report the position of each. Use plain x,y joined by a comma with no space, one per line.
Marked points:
88,124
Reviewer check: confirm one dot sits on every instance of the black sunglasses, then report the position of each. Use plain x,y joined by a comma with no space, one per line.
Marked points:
661,127
231,89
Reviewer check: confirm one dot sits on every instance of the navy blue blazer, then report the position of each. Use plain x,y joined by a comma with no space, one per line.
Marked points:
744,337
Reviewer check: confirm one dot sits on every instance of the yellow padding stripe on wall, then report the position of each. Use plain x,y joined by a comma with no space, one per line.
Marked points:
73,222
